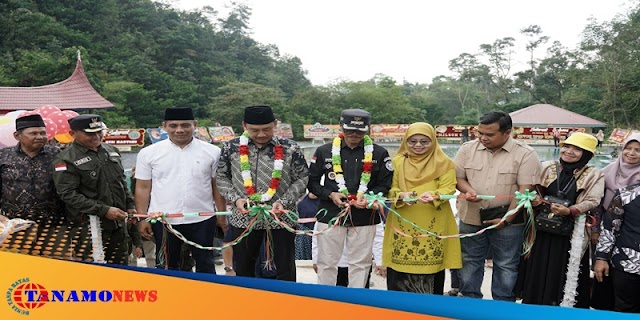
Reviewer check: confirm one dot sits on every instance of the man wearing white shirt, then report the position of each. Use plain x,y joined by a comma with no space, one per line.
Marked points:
177,175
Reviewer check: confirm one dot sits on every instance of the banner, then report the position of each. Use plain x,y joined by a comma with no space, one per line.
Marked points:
221,134
202,133
321,131
453,131
157,134
388,131
283,130
619,135
42,288
124,137
540,133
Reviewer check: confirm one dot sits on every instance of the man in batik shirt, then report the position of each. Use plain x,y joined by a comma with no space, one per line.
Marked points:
265,156
27,188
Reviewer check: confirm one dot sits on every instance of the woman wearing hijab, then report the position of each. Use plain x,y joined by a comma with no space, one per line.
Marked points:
422,171
619,174
557,270
620,235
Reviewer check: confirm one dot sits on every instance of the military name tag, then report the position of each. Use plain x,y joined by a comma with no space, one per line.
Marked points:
81,161
114,154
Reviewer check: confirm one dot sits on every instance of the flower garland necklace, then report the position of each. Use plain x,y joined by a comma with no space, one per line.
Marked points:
245,167
367,165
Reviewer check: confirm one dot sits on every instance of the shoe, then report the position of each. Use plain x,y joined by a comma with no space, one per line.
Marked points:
219,262
452,293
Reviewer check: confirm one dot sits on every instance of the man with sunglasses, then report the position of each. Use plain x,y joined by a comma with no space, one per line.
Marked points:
340,173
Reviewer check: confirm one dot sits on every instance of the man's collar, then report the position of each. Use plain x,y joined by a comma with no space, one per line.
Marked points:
271,142
187,145
17,148
507,146
83,148
344,144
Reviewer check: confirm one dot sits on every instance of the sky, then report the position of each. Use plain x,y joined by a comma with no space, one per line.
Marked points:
409,40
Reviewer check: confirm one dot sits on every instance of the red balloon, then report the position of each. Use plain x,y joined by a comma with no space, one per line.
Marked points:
46,110
51,127
28,113
71,113
60,119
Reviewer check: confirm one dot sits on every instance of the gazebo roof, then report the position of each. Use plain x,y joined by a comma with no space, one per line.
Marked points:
73,93
551,116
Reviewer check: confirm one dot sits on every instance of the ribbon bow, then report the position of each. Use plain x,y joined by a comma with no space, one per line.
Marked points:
372,198
259,210
155,217
525,198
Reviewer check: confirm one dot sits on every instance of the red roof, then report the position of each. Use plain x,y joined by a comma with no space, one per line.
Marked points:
546,115
73,93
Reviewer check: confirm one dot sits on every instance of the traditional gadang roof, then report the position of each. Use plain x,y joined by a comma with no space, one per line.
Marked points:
73,93
546,115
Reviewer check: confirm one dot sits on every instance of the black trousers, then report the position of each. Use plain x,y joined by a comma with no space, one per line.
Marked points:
201,233
626,287
343,277
247,252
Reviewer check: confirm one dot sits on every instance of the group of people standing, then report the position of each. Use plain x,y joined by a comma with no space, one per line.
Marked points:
186,175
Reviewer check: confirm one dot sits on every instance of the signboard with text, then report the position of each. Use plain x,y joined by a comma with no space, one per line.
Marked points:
124,137
619,135
221,134
321,131
452,131
283,130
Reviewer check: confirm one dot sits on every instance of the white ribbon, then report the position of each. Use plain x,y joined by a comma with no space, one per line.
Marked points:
96,239
575,255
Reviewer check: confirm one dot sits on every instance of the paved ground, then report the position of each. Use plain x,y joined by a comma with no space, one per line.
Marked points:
306,274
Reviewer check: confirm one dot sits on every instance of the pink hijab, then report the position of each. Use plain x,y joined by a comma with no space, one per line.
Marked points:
619,174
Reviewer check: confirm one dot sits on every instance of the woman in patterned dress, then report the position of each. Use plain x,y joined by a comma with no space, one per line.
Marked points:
620,235
422,171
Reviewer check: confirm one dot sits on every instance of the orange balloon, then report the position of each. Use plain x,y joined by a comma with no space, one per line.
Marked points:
64,137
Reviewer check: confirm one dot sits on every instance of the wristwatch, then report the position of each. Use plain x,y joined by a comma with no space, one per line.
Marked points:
228,269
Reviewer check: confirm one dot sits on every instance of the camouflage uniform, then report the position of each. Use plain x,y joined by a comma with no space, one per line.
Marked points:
89,183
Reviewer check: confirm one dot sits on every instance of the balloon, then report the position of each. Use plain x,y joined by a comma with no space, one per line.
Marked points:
7,128
15,114
27,113
46,110
51,127
71,113
64,137
60,118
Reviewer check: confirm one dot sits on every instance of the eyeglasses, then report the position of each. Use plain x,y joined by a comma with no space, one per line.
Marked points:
415,142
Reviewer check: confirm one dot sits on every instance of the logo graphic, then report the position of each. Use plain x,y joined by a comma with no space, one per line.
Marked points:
24,296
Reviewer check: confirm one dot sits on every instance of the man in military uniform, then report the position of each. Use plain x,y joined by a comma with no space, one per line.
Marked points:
26,183
358,230
90,180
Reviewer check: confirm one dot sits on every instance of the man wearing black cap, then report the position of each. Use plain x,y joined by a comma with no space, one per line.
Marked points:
26,181
178,175
341,165
252,183
90,180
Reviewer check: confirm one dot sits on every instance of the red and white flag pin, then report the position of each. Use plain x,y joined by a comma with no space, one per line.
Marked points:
61,167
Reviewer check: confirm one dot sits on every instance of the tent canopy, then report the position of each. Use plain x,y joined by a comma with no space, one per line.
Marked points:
546,115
